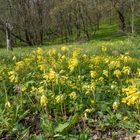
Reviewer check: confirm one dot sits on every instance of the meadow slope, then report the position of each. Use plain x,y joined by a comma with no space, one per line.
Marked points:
77,91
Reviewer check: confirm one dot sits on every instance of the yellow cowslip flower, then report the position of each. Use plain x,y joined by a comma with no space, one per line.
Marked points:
64,49
126,70
92,86
113,86
40,58
13,77
42,67
138,131
138,73
92,102
33,89
124,100
125,58
117,73
73,95
40,51
41,90
62,71
85,116
85,86
93,74
80,77
23,89
20,66
101,79
8,105
63,57
132,99
125,118
14,58
106,60
114,64
89,110
85,56
105,72
76,52
51,75
131,80
59,99
43,100
104,49
72,63
115,105
28,61
52,52
96,60
133,94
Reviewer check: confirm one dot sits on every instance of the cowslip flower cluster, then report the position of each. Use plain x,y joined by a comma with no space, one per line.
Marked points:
65,81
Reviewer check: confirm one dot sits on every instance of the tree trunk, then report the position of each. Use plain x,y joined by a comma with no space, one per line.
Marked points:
132,17
8,37
121,16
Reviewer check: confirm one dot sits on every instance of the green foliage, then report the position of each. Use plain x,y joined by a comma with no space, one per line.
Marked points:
70,91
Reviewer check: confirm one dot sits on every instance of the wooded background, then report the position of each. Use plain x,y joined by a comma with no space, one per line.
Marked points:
38,21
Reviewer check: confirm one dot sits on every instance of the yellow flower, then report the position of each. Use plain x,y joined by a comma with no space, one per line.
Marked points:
62,71
104,49
117,73
59,98
41,90
125,118
43,100
133,94
92,102
126,70
138,131
64,49
63,57
124,100
52,52
41,67
39,51
8,105
73,95
20,65
114,64
88,110
93,74
105,72
115,105
13,77
101,79
23,89
14,58
138,72
73,62
113,86
51,75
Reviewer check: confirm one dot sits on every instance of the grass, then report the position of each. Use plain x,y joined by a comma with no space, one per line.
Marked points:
25,121
23,114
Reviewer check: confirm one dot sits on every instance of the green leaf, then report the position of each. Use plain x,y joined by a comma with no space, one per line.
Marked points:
62,127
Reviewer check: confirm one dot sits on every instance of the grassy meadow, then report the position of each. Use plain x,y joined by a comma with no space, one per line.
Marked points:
77,91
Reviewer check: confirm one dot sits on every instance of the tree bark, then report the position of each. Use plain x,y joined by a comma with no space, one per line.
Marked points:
8,36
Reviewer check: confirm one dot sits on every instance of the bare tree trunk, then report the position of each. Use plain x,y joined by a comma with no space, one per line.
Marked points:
120,9
132,17
8,37
121,15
